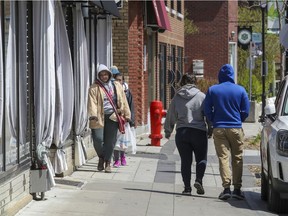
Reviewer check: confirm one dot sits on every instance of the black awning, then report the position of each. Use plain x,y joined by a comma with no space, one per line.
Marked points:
108,6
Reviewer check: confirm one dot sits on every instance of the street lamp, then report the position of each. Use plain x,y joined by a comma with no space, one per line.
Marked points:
264,63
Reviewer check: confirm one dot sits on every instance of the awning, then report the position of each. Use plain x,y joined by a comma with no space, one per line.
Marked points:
161,14
108,6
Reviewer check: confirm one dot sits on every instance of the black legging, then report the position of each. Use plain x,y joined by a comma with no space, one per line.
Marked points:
189,140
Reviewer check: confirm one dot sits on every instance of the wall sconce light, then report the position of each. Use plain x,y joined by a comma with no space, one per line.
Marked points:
232,34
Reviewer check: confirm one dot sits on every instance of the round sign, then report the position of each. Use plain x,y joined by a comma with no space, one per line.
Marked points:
244,36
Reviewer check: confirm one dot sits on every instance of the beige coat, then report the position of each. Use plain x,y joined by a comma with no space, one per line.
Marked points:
95,105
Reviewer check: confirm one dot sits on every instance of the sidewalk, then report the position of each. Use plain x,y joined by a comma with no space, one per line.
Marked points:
149,185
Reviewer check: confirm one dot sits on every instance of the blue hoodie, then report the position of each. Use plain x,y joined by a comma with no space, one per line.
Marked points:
226,104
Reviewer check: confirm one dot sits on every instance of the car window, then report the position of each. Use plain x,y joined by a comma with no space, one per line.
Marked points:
285,104
279,96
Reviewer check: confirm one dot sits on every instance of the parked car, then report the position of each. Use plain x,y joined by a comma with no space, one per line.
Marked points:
274,152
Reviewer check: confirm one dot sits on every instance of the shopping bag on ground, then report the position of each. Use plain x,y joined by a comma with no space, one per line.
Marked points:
123,140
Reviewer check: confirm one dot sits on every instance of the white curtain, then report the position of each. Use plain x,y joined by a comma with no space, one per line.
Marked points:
81,84
64,90
104,41
1,94
12,85
90,32
44,79
93,60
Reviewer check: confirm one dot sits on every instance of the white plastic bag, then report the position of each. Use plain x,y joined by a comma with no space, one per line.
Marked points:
126,142
123,140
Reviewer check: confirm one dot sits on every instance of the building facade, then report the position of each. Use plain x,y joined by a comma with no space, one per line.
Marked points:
148,47
215,43
49,52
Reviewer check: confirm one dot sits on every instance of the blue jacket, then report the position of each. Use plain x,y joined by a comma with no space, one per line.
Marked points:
226,104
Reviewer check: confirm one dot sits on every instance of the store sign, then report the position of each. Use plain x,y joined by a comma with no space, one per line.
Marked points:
257,37
198,68
244,37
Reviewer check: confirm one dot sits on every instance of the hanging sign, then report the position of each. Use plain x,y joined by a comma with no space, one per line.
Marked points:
244,37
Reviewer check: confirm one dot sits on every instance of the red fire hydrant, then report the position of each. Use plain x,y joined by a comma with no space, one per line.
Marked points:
156,115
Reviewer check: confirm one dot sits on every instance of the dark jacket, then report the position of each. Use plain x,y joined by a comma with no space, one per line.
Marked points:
130,103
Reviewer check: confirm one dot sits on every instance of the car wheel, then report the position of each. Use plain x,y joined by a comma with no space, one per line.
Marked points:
264,186
275,203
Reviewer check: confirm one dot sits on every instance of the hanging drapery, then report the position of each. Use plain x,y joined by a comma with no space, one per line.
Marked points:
64,90
81,84
16,81
93,60
91,41
104,41
1,92
44,79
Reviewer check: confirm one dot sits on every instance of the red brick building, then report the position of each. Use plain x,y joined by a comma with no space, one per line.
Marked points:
149,51
216,42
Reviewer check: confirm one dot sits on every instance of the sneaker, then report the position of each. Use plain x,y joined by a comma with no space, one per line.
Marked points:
199,187
238,194
116,164
107,167
226,194
123,161
187,191
100,166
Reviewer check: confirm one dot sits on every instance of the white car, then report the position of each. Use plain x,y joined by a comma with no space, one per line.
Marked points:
274,152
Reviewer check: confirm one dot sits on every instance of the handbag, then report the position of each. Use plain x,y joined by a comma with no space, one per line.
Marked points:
121,120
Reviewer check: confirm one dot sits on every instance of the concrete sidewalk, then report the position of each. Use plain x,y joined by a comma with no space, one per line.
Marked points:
149,185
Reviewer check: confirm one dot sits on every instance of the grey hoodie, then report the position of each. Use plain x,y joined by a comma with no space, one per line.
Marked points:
186,110
108,109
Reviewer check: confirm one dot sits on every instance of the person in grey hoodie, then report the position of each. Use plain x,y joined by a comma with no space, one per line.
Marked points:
186,111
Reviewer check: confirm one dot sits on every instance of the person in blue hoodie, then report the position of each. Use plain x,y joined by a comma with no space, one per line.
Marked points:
186,111
227,106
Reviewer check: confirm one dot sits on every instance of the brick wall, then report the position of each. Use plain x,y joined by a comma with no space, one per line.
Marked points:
137,77
211,43
233,19
15,194
175,37
128,42
120,42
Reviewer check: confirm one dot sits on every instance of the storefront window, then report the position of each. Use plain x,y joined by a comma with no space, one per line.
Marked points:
14,144
163,73
179,8
172,4
180,59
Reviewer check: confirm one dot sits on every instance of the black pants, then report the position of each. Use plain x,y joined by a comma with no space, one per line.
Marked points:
189,140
